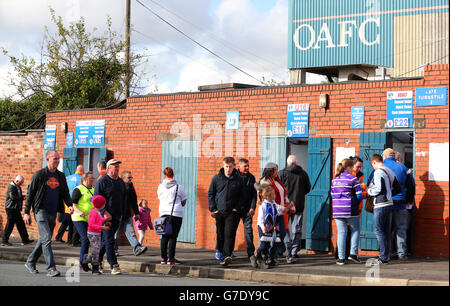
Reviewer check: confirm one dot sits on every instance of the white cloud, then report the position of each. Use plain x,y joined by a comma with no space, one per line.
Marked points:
253,39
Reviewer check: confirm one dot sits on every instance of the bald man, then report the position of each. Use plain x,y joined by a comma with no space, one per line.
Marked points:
297,184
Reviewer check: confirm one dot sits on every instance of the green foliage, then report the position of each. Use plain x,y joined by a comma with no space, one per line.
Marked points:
17,115
77,70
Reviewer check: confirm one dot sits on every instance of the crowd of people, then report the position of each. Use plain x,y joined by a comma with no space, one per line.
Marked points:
93,211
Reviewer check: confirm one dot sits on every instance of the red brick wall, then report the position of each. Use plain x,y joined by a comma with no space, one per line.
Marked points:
19,155
131,133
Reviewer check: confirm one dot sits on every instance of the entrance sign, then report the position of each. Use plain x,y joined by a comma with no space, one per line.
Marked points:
90,133
431,96
49,137
399,109
297,120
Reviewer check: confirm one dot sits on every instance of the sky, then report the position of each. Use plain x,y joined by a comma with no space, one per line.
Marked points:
250,34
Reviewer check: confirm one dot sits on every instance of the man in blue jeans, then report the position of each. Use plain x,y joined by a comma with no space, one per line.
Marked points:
399,212
248,207
380,188
297,184
47,194
112,188
127,220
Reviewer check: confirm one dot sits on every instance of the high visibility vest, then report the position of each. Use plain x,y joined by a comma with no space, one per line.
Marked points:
84,203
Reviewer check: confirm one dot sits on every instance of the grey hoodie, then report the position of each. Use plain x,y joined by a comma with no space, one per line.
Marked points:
169,183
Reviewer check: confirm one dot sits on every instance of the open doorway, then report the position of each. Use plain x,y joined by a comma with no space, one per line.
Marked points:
404,143
299,148
89,157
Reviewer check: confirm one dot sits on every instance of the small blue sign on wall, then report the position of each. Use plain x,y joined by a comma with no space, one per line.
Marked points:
49,137
357,119
399,112
69,143
297,120
232,122
90,133
431,96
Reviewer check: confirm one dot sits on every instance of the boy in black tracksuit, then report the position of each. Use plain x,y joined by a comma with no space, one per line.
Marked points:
224,204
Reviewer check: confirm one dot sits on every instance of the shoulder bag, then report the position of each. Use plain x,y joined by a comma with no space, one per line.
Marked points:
163,225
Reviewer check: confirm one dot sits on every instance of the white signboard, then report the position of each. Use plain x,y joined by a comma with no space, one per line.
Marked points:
438,162
343,153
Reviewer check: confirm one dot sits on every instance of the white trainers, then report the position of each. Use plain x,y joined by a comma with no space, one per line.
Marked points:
116,270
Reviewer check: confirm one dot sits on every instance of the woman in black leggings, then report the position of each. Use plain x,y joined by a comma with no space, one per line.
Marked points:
172,199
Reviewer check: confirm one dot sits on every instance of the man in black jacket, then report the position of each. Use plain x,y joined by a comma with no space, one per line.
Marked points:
248,202
47,194
297,184
112,188
13,208
127,221
224,204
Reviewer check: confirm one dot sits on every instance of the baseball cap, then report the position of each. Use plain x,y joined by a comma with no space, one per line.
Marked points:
389,153
98,201
112,162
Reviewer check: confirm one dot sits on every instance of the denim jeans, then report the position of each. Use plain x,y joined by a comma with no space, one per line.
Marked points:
128,229
248,233
382,222
266,248
82,228
285,237
410,230
399,227
341,224
108,242
296,221
46,224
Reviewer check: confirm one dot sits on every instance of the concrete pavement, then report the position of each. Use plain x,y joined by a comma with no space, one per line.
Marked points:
307,270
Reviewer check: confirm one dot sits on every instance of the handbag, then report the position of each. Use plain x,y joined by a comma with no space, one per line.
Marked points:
370,201
163,225
369,204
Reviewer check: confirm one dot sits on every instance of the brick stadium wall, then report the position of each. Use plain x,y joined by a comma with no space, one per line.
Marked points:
134,135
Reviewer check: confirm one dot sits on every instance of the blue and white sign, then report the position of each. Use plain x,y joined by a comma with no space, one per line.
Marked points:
69,143
357,119
297,120
324,33
399,112
232,122
90,133
431,96
49,137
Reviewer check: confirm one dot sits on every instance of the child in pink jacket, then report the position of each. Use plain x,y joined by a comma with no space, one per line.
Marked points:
97,223
145,219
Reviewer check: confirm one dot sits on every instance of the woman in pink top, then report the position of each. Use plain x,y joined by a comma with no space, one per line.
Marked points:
98,218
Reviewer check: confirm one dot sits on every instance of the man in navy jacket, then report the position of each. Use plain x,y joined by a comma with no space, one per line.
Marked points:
224,204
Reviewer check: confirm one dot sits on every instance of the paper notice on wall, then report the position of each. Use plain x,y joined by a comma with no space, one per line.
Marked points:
342,153
438,162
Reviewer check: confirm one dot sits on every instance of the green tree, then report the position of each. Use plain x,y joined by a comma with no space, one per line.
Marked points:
77,69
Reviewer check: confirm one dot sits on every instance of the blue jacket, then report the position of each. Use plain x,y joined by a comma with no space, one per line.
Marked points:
401,173
73,181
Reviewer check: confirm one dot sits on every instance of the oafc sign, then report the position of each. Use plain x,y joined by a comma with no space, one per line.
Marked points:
345,29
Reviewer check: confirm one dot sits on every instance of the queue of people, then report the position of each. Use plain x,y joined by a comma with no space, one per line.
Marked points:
98,210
